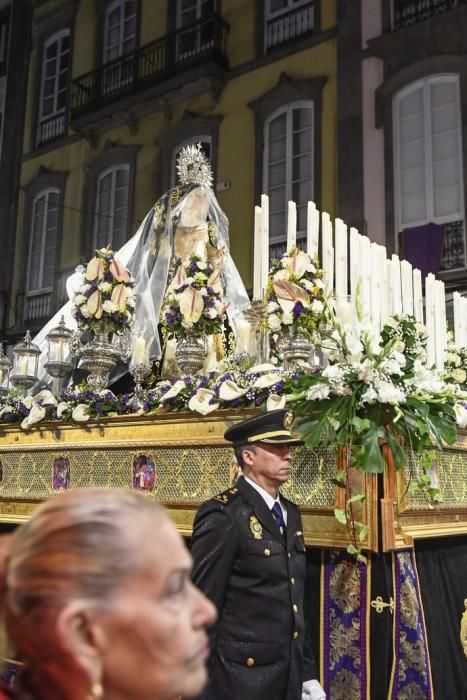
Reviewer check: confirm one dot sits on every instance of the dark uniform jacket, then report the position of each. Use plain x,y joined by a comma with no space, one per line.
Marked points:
255,577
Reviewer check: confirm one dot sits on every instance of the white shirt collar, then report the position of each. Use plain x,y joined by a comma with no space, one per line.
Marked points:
267,497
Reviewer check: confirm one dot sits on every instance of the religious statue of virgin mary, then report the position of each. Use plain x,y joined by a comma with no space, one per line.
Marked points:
186,220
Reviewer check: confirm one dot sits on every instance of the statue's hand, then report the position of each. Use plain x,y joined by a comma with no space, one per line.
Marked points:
200,233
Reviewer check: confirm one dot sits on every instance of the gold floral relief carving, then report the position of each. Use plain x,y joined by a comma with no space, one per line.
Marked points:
412,691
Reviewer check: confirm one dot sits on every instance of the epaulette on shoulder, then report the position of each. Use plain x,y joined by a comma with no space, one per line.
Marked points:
227,496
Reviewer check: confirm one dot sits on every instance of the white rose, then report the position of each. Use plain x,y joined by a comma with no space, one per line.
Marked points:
318,392
458,375
274,323
211,312
272,306
105,286
334,373
85,312
317,306
109,307
287,319
79,299
84,288
461,415
388,393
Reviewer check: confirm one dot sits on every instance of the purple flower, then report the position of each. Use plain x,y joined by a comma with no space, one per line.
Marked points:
298,309
108,277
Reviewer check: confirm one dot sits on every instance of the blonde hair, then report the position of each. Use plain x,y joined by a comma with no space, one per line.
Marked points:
81,545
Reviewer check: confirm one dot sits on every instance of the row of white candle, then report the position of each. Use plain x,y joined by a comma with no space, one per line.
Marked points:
386,286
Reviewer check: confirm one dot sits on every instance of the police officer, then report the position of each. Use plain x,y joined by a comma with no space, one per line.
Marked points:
249,559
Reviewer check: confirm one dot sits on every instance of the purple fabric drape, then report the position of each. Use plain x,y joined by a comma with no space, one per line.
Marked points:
422,246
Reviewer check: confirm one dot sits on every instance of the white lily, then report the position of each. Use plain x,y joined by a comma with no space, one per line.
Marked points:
200,402
299,263
173,391
36,414
461,415
230,391
266,380
264,367
275,402
81,413
47,398
61,408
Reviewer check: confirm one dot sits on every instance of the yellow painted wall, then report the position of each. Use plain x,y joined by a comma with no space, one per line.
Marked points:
236,146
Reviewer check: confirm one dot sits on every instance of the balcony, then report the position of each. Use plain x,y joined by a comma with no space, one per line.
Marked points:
37,308
149,69
285,28
51,129
408,12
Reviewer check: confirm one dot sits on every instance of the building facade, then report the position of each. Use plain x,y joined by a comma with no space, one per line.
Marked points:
414,75
15,44
117,87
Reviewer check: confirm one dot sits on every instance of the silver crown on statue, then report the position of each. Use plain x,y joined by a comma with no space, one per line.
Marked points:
193,167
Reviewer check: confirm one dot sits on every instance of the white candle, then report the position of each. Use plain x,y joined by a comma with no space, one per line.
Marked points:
257,254
139,351
388,265
396,285
354,260
430,318
57,351
340,234
384,285
365,288
407,287
291,226
417,295
243,335
312,229
327,252
265,244
464,322
456,300
440,327
375,286
23,366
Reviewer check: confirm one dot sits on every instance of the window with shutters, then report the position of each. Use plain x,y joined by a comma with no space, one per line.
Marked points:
288,168
54,87
198,18
42,254
119,42
111,207
428,168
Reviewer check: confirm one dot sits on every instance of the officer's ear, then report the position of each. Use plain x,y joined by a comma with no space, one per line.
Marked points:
248,456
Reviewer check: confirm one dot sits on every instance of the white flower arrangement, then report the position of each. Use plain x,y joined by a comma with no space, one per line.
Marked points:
194,300
295,293
105,301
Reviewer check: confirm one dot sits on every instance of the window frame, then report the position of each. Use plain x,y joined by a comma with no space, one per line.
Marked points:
111,169
426,83
288,109
56,37
40,290
108,10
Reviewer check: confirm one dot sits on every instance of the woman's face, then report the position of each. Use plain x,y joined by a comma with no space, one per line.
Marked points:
157,644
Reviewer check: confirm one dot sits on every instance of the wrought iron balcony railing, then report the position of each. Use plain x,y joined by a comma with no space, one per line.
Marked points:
290,26
51,129
37,307
206,39
407,12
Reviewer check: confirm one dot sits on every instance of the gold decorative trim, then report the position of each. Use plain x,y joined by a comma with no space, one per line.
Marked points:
272,433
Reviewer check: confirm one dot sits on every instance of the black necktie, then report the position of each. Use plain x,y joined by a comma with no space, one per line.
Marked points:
278,516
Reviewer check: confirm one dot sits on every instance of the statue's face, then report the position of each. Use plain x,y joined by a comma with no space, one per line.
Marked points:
197,200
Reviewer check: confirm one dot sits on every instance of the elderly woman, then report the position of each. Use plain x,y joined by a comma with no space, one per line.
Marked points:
98,602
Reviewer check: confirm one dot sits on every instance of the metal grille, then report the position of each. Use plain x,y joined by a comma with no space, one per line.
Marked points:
187,475
449,474
407,12
454,246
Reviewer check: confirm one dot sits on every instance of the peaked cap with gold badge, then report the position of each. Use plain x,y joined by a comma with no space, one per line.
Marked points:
272,428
